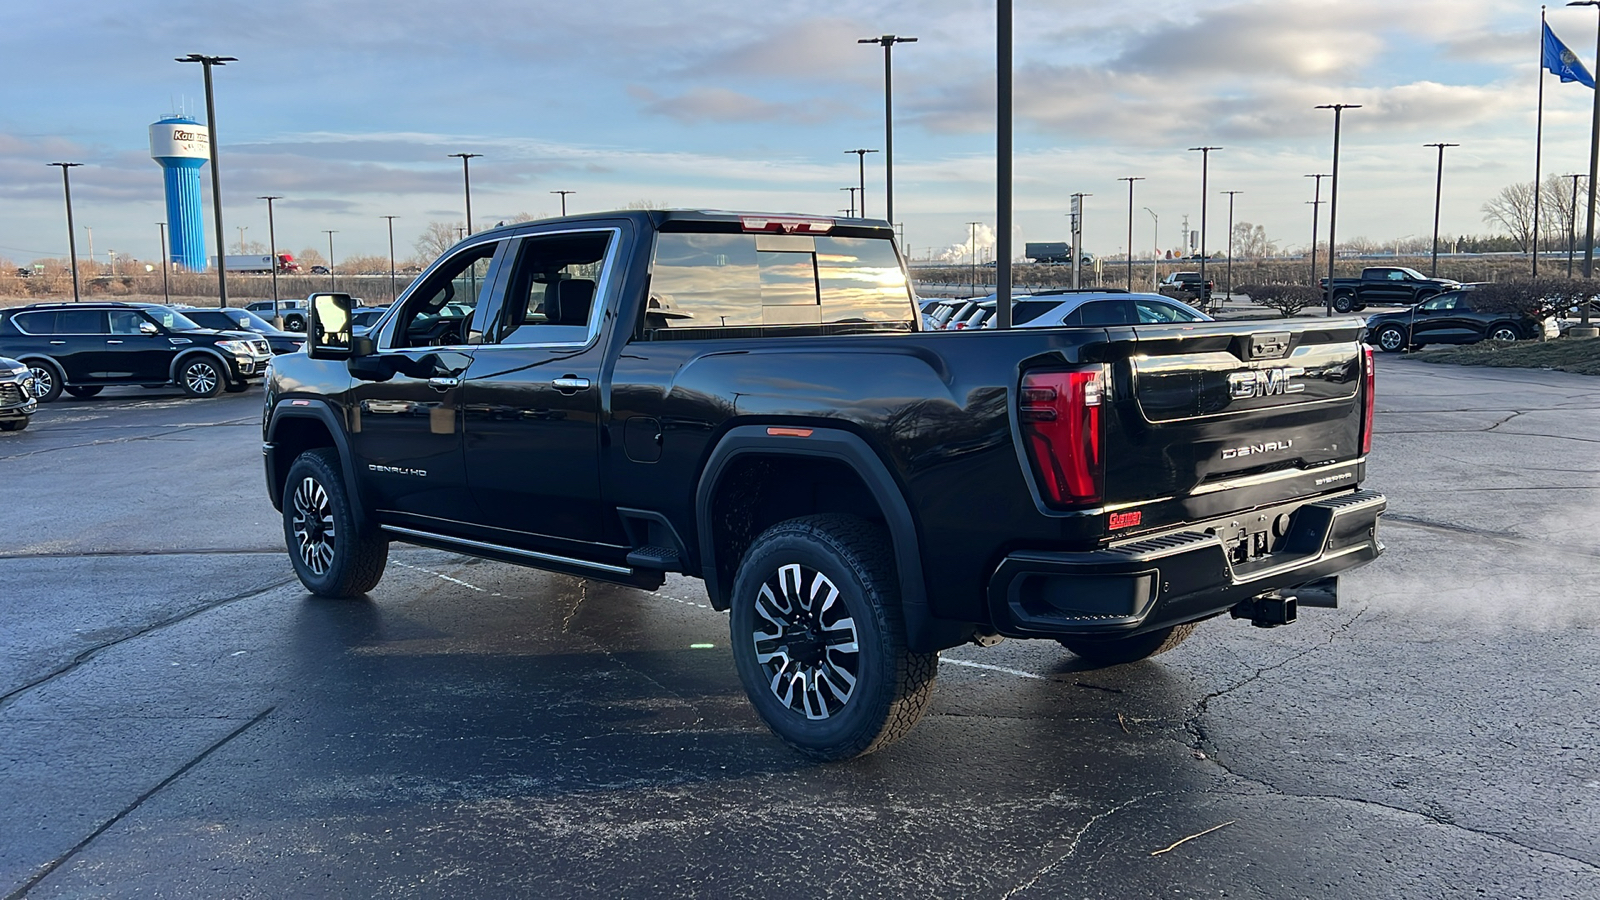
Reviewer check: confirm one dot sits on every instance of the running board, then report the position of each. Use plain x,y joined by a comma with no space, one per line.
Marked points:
566,565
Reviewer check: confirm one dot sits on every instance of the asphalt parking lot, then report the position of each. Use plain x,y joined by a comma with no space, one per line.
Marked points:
179,719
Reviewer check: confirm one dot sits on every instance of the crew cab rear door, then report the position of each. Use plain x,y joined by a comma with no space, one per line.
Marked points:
1211,418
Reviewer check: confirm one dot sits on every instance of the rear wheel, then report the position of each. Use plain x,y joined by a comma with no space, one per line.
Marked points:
84,392
46,381
201,376
330,555
1504,332
1391,338
1116,651
1343,303
294,322
819,641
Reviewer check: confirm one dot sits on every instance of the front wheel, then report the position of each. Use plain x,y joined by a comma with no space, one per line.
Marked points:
1116,651
294,322
84,392
330,555
819,640
201,376
1344,303
1391,338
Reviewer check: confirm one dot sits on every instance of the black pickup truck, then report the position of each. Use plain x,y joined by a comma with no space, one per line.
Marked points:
1388,285
747,399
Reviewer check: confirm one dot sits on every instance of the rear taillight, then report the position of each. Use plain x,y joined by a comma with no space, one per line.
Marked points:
1060,413
1369,386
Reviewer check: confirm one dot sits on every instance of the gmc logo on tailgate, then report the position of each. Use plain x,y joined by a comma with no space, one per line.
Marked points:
1265,382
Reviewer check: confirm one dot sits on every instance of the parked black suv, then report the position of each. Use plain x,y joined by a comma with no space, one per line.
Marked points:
83,347
16,395
1449,318
244,320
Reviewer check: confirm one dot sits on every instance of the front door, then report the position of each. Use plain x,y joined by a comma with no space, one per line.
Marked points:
405,401
533,396
135,349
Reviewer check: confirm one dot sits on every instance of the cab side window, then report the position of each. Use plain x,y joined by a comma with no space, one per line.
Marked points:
80,321
1153,312
125,321
551,294
439,314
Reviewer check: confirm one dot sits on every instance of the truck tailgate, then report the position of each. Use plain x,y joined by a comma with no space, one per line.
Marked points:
1214,419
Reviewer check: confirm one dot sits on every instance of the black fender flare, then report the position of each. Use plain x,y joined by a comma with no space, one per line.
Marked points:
322,411
923,633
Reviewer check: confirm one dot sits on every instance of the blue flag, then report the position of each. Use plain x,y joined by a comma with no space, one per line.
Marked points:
1561,61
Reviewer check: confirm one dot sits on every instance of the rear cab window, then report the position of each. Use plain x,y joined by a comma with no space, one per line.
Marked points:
788,282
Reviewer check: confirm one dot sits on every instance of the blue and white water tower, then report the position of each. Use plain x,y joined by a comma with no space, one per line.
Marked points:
181,146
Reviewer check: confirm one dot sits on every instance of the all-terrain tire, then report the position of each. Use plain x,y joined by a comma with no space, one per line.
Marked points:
1116,651
332,557
819,639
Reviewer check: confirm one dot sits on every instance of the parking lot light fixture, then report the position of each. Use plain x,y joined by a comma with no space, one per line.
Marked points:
1333,197
887,41
974,226
1572,223
1205,168
466,180
852,189
72,238
1231,195
394,292
1130,179
206,64
861,169
563,200
331,282
1438,192
1155,249
1316,207
1594,171
166,289
272,247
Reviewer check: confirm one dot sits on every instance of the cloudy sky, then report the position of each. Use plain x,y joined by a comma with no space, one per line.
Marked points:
349,109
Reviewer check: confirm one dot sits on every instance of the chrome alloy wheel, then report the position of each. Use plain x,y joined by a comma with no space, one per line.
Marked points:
1391,339
200,377
1504,334
44,378
806,641
313,526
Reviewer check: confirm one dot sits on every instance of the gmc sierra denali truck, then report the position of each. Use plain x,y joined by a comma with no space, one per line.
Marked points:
747,399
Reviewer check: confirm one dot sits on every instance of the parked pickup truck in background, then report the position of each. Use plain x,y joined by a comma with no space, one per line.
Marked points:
1188,287
1386,285
747,399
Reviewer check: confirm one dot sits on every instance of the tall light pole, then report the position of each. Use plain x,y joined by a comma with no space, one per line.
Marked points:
1002,155
72,237
1594,170
242,230
1316,206
1231,195
563,200
166,290
1333,196
887,41
272,247
1438,192
861,166
466,179
331,282
1155,249
1130,179
852,191
974,226
1077,237
394,291
1205,169
206,62
1572,223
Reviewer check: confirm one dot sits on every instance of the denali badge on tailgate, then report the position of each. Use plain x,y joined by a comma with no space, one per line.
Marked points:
1265,382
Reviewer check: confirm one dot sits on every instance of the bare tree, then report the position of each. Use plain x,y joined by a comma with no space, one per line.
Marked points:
1512,209
1251,242
309,257
646,204
436,239
1556,211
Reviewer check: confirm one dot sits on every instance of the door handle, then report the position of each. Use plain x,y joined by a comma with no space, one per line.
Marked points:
386,407
570,384
58,342
113,342
443,384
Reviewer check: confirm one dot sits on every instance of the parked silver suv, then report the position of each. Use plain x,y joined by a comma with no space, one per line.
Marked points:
17,402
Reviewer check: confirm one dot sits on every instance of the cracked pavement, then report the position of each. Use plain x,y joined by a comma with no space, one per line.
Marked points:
178,719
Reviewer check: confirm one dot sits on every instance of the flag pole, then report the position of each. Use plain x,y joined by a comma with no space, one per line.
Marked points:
1538,146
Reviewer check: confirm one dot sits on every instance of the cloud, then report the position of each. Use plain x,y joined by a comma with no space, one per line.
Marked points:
715,104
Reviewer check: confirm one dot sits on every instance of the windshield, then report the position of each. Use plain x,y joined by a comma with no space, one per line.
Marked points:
173,320
1413,274
232,320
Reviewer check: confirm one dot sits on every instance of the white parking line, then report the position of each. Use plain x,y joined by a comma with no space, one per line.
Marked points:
976,665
